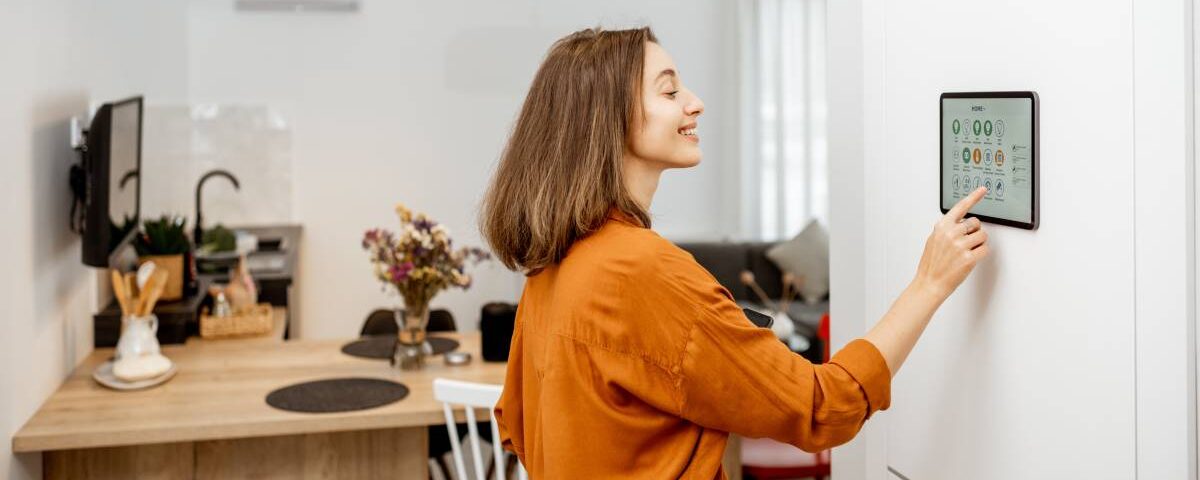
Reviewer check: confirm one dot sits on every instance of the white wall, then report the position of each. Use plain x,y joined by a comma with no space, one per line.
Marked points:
58,57
855,80
413,102
1065,355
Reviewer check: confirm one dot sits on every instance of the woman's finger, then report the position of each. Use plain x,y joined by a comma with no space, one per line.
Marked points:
968,226
975,239
981,252
961,208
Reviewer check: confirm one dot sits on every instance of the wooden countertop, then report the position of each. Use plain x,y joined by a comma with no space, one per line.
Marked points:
220,393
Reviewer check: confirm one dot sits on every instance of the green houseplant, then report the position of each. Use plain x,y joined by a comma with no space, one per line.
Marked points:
164,241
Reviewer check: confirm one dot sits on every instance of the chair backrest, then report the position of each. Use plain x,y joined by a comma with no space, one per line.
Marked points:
471,396
383,322
441,320
380,322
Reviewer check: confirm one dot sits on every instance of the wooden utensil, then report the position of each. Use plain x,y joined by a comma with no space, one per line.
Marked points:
156,285
791,288
788,279
131,290
144,296
119,290
747,278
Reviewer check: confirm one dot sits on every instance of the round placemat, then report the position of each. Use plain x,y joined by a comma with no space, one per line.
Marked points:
382,346
337,395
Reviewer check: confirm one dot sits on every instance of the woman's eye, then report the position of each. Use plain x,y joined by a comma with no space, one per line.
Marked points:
672,94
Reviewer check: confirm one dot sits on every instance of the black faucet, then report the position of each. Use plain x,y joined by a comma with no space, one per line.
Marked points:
198,232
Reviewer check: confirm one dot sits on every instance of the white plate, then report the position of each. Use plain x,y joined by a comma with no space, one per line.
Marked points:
104,376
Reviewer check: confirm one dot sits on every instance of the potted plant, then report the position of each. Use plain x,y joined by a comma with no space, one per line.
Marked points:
165,242
417,262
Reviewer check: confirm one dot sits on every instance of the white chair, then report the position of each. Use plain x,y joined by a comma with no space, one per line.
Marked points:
472,396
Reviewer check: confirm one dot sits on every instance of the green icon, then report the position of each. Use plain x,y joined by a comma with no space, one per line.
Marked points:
987,127
975,127
957,127
966,155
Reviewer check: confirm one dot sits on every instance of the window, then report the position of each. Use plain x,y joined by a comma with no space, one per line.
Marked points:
784,115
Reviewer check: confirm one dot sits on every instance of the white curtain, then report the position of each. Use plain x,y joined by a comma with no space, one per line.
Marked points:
784,116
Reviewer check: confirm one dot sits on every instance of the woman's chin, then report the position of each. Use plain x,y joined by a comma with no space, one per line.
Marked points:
690,160
682,163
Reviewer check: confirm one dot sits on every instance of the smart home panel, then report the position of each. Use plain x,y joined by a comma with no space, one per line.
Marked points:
990,139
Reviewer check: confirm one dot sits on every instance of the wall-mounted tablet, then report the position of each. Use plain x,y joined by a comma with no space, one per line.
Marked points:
990,139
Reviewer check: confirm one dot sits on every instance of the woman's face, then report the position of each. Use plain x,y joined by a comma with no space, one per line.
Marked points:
665,133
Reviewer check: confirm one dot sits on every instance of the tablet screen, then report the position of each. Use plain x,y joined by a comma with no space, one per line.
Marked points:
990,141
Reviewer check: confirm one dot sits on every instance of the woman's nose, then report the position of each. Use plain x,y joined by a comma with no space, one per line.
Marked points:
695,107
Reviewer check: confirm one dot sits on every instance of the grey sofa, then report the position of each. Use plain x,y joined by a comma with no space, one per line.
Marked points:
727,260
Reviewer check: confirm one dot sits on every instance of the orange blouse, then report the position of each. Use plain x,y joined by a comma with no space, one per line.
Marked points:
629,360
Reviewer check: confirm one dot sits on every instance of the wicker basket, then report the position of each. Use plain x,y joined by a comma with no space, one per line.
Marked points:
251,321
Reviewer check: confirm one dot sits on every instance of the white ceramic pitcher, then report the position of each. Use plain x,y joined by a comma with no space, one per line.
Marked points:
139,337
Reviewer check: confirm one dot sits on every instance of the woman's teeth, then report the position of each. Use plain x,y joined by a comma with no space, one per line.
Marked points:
687,131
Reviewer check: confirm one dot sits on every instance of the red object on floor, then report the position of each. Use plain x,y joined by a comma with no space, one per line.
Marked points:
823,334
766,459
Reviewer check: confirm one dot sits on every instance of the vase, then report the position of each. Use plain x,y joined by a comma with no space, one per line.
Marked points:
411,346
139,337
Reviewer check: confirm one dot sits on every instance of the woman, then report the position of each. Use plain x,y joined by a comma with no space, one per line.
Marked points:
629,360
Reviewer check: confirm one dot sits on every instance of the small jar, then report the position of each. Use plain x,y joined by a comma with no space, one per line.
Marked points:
221,306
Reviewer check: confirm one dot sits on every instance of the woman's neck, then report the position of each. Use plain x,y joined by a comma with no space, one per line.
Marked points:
641,179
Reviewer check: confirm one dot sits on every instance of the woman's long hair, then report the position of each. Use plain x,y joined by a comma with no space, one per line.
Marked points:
560,173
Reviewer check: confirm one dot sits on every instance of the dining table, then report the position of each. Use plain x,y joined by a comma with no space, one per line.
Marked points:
211,420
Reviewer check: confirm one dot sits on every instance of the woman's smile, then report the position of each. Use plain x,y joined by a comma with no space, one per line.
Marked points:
689,132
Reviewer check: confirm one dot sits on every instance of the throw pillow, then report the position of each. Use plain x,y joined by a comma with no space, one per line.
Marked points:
807,257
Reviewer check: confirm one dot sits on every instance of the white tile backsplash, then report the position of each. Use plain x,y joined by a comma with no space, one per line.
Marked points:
183,142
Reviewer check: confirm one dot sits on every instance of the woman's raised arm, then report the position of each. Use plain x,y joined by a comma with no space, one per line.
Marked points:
951,253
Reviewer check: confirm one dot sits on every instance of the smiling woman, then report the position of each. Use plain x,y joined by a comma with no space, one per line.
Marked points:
628,359
561,171
606,114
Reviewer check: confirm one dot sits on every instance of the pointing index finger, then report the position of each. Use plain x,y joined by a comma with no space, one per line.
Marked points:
963,206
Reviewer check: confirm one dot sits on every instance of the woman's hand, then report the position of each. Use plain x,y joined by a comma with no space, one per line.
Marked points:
951,252
953,249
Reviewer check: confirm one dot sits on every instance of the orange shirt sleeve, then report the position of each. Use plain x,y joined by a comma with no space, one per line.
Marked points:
506,416
737,377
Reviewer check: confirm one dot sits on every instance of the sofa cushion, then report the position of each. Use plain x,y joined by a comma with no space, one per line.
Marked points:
807,257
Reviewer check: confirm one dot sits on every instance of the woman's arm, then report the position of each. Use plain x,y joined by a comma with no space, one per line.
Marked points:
951,252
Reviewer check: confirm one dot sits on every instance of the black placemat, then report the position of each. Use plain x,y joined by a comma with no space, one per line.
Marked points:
337,395
382,346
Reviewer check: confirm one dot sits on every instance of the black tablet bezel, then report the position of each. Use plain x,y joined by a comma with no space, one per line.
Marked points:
1034,157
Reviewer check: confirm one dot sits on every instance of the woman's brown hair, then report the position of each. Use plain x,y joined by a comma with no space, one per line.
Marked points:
560,174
